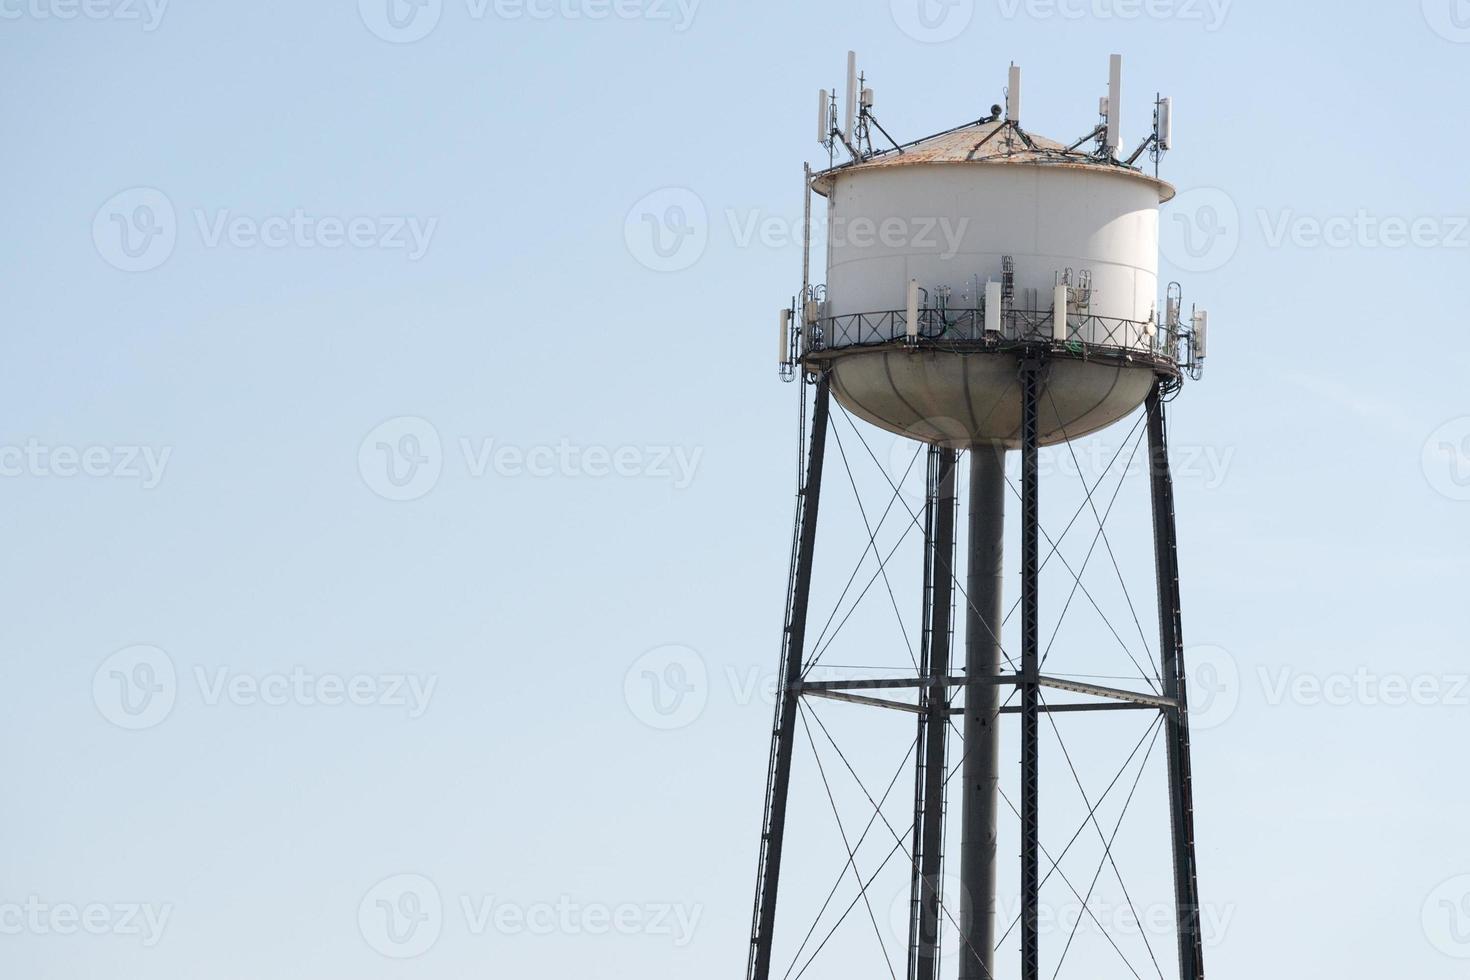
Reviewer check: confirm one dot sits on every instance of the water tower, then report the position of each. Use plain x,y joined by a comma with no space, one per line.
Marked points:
987,289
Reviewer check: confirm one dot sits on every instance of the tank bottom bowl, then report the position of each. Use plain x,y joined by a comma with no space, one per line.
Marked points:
961,399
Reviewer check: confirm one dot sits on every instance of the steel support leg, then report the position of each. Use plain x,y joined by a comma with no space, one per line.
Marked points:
940,574
984,590
1030,669
778,774
1171,650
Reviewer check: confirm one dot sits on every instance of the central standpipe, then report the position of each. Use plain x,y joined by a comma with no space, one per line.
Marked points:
983,585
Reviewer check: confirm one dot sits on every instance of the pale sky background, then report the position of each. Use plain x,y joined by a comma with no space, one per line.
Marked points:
484,642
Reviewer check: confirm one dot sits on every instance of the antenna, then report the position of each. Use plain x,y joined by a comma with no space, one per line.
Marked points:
1166,123
824,119
911,321
1113,140
850,106
1013,94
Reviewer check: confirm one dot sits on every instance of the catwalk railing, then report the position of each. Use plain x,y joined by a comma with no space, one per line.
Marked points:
1085,333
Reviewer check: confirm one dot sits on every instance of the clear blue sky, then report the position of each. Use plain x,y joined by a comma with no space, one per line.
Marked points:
256,253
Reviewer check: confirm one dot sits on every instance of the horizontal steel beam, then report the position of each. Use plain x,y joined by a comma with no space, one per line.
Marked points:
1113,693
956,712
860,699
879,683
1057,683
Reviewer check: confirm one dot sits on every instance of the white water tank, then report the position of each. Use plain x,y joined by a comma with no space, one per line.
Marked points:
955,212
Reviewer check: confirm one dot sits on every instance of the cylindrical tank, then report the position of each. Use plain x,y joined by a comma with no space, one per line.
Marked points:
987,204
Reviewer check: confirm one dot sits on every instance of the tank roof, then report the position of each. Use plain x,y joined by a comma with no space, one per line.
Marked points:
987,142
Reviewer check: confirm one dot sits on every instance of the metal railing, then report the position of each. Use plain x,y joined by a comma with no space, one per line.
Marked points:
1086,333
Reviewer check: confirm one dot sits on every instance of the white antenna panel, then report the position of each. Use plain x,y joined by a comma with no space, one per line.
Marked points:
1013,95
850,106
1115,103
1201,329
1166,123
1059,312
911,324
867,98
785,337
992,307
823,134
